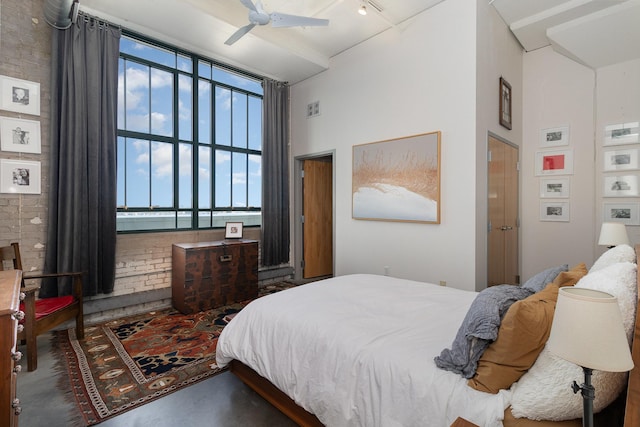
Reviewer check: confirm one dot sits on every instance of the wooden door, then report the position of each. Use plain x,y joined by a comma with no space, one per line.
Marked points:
317,200
502,251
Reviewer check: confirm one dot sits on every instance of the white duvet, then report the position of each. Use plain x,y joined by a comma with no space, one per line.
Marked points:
358,350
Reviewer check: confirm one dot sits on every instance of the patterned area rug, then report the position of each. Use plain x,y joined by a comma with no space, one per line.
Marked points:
128,362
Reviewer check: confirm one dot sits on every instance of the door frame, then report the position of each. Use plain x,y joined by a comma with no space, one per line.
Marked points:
298,209
486,239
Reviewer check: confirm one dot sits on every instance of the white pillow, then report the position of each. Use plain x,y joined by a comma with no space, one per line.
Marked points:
544,392
620,253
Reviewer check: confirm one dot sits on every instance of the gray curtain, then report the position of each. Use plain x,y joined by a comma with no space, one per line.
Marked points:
275,174
81,234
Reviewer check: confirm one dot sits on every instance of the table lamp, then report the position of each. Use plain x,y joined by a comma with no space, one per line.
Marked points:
613,234
587,330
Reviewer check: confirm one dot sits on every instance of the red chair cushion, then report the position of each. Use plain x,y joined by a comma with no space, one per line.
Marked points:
46,306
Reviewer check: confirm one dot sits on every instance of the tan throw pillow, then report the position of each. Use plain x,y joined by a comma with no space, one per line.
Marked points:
571,277
522,335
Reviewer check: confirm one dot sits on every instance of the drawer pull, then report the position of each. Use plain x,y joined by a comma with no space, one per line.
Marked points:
16,356
18,315
226,258
20,328
17,369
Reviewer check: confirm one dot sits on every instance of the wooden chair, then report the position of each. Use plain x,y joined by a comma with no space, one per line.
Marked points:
44,314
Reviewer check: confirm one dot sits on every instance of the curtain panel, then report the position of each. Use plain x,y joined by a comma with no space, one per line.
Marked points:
81,234
275,174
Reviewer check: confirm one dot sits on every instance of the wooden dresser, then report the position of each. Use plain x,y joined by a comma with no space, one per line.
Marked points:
9,315
212,274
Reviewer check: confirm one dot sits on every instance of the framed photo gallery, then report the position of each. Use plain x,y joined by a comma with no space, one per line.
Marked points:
621,173
19,135
554,165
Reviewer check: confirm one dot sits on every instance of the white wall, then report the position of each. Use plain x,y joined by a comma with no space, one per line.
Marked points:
618,101
441,73
400,83
558,92
498,55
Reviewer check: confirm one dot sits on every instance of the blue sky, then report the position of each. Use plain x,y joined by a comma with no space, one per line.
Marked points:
149,101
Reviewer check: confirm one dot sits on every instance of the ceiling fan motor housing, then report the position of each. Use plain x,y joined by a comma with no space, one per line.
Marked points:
258,18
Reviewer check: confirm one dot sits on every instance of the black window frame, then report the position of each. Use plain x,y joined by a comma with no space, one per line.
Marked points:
195,211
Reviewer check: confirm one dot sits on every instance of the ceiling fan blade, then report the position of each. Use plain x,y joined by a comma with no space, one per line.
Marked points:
238,34
284,20
249,5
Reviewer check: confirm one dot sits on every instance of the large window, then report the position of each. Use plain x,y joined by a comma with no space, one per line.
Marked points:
189,140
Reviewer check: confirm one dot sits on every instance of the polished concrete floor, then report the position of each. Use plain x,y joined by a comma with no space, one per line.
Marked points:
220,401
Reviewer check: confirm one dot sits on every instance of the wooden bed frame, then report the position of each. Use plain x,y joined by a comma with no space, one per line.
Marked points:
306,419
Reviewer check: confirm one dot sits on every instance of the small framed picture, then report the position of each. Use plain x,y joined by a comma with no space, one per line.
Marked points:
554,137
21,96
615,160
233,230
621,186
554,188
626,213
22,136
559,162
19,176
622,133
554,211
505,103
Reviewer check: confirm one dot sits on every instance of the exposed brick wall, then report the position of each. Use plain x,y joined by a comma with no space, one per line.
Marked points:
25,53
143,261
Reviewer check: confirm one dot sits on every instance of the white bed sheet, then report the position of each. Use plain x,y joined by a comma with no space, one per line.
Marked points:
358,350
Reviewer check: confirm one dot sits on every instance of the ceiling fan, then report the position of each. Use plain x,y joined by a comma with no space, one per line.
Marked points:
257,16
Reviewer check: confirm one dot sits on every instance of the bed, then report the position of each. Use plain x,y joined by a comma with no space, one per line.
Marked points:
359,350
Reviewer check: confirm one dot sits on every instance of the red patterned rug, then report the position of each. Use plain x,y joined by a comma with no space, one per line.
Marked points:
128,362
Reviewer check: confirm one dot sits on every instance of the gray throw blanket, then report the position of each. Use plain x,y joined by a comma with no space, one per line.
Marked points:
479,328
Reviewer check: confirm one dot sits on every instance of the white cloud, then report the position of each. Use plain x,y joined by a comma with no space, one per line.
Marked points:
223,98
162,155
222,157
159,123
184,167
239,178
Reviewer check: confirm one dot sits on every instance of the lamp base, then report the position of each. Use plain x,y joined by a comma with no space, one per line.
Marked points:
588,395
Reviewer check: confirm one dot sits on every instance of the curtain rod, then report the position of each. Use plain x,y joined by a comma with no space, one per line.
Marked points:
100,21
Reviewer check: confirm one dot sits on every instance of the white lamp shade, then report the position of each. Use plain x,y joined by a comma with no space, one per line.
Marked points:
613,234
587,330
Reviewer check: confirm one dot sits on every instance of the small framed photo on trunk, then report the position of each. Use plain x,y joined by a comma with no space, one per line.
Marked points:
233,230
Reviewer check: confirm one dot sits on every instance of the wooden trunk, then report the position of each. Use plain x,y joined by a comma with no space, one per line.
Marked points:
212,274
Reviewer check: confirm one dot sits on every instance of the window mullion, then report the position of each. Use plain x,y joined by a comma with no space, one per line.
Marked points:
158,69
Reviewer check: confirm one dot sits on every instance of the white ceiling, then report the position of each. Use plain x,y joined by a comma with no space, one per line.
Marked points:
288,54
593,32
